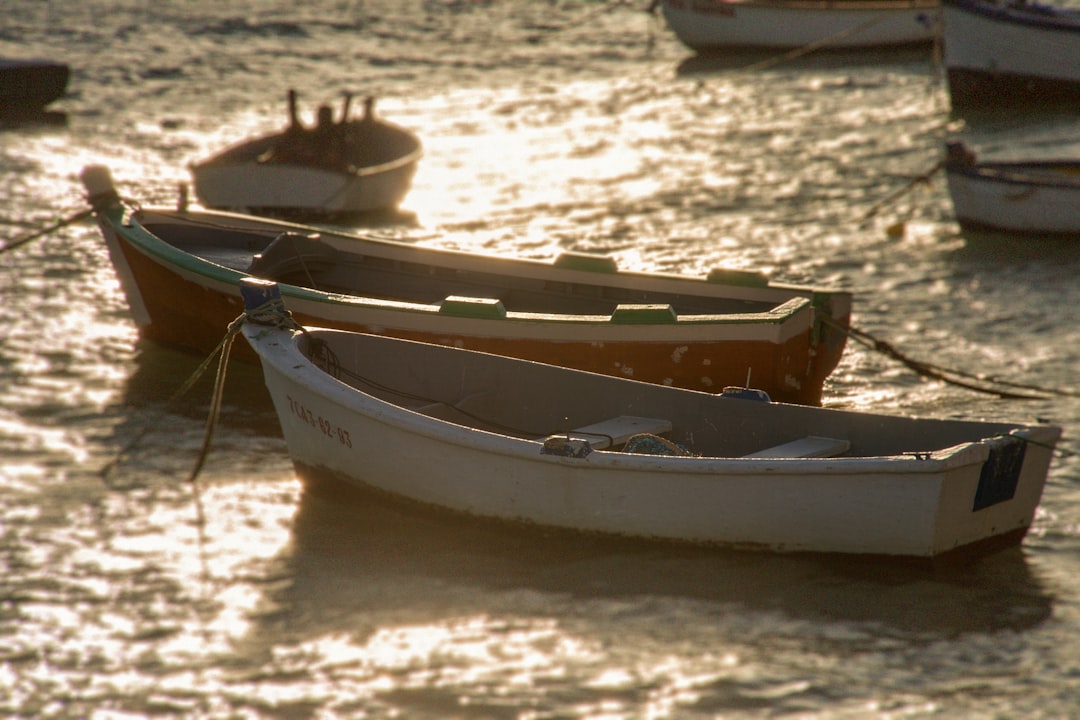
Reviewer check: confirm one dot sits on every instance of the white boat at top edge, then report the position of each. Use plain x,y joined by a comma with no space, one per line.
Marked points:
503,439
1014,53
705,25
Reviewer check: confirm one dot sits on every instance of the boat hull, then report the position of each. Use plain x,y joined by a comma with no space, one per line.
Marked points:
296,190
377,176
1029,198
921,506
706,25
28,86
789,350
1010,55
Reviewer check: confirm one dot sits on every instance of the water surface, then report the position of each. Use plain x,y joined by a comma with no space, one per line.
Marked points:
547,127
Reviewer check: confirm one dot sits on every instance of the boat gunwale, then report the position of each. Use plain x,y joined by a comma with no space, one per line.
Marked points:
527,267
241,154
1039,173
129,228
745,24
281,348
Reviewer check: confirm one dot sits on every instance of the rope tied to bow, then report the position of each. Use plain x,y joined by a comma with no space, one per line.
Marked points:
271,313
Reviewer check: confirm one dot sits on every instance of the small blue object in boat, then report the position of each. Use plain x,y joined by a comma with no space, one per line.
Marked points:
257,293
745,393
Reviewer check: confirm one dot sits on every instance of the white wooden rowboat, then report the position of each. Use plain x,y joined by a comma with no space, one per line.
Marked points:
337,168
705,25
1010,53
511,440
1033,197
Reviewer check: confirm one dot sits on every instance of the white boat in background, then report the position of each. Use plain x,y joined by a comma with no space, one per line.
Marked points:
503,439
336,168
1010,53
1032,197
705,25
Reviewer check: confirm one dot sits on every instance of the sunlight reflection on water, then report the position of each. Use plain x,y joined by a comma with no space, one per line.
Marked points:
541,134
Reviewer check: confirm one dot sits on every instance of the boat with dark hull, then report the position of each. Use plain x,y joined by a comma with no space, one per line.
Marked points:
28,87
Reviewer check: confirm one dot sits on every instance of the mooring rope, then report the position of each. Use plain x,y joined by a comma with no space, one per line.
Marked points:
222,350
180,392
264,315
812,47
922,178
971,381
216,397
69,220
272,313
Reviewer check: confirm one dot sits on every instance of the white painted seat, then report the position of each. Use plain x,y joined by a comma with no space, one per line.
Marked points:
811,446
616,431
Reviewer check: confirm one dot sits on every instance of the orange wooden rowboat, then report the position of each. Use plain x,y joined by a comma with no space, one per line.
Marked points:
181,270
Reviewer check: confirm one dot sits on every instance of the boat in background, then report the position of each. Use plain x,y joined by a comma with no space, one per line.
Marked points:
180,271
28,86
1010,53
710,25
503,439
336,168
1037,197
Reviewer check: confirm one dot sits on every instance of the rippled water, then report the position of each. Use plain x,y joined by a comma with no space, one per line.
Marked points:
547,126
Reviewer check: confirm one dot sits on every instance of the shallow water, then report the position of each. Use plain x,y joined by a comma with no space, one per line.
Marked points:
547,127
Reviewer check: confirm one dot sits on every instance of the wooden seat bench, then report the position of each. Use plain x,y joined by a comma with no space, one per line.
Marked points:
811,446
616,431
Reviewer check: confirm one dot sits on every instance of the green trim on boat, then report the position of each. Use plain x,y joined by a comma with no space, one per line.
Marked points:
743,278
630,314
472,307
587,262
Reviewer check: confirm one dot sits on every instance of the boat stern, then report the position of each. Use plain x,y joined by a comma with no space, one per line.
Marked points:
991,501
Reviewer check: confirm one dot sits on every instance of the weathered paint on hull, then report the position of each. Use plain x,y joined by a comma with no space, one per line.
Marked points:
193,314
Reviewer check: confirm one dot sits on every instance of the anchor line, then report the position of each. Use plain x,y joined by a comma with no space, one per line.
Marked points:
825,42
920,179
105,471
69,220
215,400
222,353
960,378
